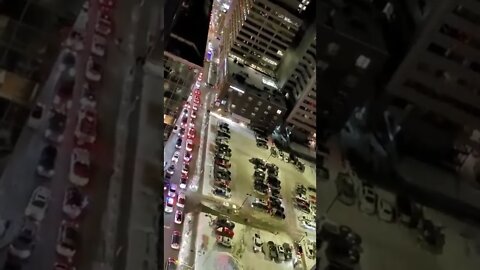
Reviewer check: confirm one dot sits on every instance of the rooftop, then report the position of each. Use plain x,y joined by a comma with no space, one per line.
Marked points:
186,42
246,79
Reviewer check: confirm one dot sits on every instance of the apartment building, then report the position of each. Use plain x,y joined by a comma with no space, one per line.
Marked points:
252,97
298,80
351,54
259,32
440,73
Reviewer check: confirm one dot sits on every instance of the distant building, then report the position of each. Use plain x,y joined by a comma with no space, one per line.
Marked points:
182,56
252,97
351,55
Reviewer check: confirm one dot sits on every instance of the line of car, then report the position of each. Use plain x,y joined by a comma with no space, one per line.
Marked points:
171,188
84,136
266,183
223,154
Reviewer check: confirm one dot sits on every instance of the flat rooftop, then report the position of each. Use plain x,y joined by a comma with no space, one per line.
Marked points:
254,82
188,37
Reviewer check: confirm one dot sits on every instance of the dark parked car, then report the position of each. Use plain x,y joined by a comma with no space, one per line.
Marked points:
178,144
409,212
345,189
262,145
288,251
272,251
223,192
224,222
259,174
46,164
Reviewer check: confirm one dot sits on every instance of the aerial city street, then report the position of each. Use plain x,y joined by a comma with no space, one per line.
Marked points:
179,135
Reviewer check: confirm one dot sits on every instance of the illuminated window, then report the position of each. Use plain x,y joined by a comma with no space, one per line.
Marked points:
233,106
269,107
279,111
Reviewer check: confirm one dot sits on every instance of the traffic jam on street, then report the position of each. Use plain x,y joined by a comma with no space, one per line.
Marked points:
67,114
177,174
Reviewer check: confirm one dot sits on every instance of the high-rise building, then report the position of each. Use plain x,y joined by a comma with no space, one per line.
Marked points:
440,73
300,86
260,31
182,56
351,54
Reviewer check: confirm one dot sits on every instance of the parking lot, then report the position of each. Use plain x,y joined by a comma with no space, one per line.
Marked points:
243,147
393,245
241,254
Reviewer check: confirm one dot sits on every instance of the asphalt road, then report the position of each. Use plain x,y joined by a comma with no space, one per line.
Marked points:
23,164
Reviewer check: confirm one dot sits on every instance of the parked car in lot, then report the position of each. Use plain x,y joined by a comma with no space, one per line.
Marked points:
272,251
68,240
409,213
287,251
222,221
178,144
368,199
222,192
257,243
224,231
385,210
46,164
37,206
345,189
224,241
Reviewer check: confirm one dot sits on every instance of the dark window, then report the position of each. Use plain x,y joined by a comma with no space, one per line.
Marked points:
437,49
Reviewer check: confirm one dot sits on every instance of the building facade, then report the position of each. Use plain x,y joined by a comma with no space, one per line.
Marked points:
300,87
259,32
350,57
440,74
252,97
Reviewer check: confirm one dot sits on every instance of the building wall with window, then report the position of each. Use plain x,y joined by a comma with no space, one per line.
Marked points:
259,32
251,99
300,86
350,57
442,69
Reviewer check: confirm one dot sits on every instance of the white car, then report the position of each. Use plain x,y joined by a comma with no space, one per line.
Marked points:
169,205
385,210
80,167
37,115
195,107
181,200
175,157
73,202
93,71
187,157
171,169
172,191
74,41
309,224
310,249
194,115
178,217
24,243
257,243
68,239
98,45
189,146
86,129
89,99
37,206
103,28
368,199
